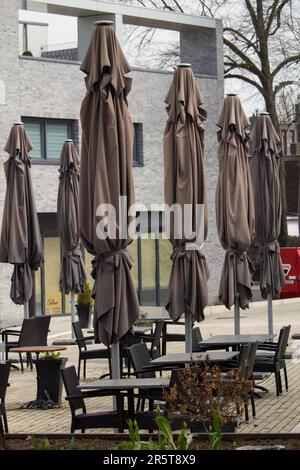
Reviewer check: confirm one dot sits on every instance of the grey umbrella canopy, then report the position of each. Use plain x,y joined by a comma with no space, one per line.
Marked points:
185,187
234,206
72,273
106,178
21,243
264,165
72,276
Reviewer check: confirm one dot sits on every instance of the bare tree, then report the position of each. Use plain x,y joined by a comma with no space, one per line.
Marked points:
261,48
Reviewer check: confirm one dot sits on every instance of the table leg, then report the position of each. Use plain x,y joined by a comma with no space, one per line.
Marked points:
130,398
164,339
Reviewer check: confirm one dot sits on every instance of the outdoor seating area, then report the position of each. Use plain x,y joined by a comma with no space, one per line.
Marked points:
137,394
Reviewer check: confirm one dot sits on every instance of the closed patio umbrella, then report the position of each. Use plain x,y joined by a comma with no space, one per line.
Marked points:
106,178
234,207
21,243
185,186
264,166
72,274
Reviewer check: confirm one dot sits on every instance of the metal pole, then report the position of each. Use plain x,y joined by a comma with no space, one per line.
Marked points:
115,361
26,311
188,332
270,314
73,319
237,320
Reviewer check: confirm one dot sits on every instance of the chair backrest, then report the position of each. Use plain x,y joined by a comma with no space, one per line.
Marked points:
251,360
34,331
283,341
140,357
243,360
71,382
4,374
157,335
196,337
79,335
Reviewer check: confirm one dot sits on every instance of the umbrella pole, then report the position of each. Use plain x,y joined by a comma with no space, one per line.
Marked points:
237,326
270,314
26,310
188,332
73,319
115,361
187,319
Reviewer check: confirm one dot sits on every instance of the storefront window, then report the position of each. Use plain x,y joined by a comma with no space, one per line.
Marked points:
53,296
151,270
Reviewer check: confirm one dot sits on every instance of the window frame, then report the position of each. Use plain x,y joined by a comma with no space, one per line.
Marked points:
43,160
138,145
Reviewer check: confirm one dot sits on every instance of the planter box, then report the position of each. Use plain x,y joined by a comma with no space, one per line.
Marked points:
108,441
84,313
49,381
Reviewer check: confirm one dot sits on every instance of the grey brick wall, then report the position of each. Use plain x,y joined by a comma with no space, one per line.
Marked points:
54,89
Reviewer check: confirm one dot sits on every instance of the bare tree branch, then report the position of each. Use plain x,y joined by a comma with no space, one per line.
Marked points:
283,85
288,61
251,66
245,79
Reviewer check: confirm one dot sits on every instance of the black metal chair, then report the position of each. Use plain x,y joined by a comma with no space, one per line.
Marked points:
34,332
83,420
273,360
140,358
154,339
4,375
86,354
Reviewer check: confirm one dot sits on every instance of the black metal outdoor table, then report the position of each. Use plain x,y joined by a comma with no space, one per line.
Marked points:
235,341
187,358
136,330
127,385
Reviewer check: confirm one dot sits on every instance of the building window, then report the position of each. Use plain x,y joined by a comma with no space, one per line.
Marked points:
151,270
48,136
138,157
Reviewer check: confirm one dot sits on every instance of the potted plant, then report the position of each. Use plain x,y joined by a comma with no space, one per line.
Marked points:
84,306
49,381
206,399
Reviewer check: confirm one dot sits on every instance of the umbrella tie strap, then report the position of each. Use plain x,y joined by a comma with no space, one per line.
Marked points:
110,261
265,248
182,251
73,253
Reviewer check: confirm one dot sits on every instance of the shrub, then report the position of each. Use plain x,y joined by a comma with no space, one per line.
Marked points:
202,393
85,297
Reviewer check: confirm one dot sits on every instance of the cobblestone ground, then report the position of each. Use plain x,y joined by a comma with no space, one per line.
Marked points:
275,415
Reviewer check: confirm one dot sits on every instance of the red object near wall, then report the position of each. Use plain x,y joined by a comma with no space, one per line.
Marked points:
291,265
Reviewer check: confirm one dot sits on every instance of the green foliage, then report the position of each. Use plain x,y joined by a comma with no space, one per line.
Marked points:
214,430
35,443
28,53
85,297
165,439
46,444
234,445
88,446
40,445
71,443
53,356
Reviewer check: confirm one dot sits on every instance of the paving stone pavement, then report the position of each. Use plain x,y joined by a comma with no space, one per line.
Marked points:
274,414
